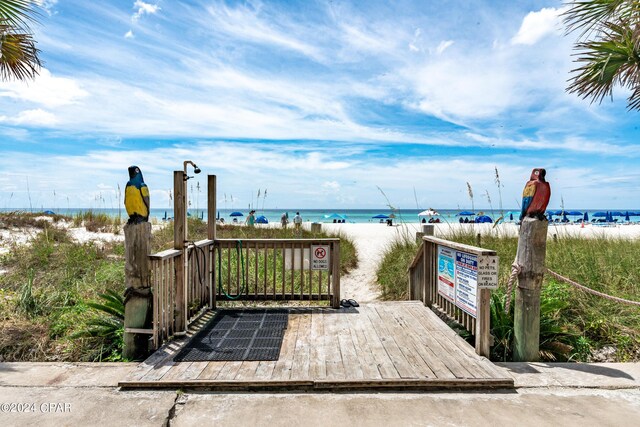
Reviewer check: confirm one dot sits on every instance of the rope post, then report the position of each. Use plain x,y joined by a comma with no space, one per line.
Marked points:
138,301
212,210
532,247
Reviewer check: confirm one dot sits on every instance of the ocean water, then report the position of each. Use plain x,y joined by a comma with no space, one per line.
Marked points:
325,215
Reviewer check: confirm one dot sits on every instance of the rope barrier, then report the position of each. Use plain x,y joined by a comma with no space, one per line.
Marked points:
591,291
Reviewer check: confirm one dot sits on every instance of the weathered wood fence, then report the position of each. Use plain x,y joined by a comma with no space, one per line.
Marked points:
433,285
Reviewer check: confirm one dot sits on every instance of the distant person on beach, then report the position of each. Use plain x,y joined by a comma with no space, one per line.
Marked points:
297,221
251,219
284,220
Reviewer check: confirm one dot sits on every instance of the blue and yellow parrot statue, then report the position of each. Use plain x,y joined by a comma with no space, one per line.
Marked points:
536,195
136,197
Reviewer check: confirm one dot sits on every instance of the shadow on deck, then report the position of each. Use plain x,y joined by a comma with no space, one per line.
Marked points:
379,346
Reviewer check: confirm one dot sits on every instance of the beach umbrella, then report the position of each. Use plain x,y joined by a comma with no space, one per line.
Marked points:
617,213
483,218
550,216
428,212
465,213
574,213
380,216
600,214
49,212
626,217
236,214
262,220
335,216
585,218
510,216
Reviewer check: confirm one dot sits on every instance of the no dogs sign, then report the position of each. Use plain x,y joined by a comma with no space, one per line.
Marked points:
320,257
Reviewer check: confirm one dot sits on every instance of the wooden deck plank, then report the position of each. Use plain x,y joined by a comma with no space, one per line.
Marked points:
364,352
247,370
300,368
383,362
466,349
317,356
176,371
229,371
350,360
406,336
282,370
211,371
334,366
386,345
395,354
444,349
193,371
265,368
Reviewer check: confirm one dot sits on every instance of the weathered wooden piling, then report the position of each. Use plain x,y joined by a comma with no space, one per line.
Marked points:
138,298
532,248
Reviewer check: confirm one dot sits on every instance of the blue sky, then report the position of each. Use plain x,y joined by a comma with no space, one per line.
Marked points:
318,102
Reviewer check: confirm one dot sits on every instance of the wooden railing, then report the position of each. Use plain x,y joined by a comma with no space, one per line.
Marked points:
163,282
439,290
277,270
238,270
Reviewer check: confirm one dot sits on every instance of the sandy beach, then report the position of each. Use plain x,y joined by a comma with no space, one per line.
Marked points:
370,240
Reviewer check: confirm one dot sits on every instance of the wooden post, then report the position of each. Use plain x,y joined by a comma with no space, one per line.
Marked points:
335,300
179,237
212,209
483,323
532,246
138,300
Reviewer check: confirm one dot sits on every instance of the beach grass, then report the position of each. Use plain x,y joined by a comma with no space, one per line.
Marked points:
52,288
579,326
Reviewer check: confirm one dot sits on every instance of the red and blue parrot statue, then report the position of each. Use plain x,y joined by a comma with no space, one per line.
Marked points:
535,196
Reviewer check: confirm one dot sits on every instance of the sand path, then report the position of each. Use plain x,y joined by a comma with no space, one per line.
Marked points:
370,241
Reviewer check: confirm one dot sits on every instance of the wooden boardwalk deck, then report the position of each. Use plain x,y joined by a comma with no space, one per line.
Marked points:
388,345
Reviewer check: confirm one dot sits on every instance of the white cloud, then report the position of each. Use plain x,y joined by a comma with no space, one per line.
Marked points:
143,8
47,5
45,90
31,118
443,46
537,25
128,35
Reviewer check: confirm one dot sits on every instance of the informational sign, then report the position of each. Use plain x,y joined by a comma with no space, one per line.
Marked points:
296,259
320,257
466,282
446,273
461,274
488,272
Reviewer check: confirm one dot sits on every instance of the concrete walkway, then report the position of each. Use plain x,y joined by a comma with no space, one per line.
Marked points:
57,394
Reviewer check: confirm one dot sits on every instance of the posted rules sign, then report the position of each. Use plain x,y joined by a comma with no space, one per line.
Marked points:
320,257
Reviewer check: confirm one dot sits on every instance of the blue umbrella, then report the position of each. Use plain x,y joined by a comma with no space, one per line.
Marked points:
510,216
335,216
550,216
49,212
600,214
483,218
465,213
262,220
572,213
617,213
586,217
380,216
236,213
626,217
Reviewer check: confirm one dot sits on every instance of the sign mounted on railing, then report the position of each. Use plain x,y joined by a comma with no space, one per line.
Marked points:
461,274
320,255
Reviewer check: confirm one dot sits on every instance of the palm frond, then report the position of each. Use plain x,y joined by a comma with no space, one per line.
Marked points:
613,59
589,16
